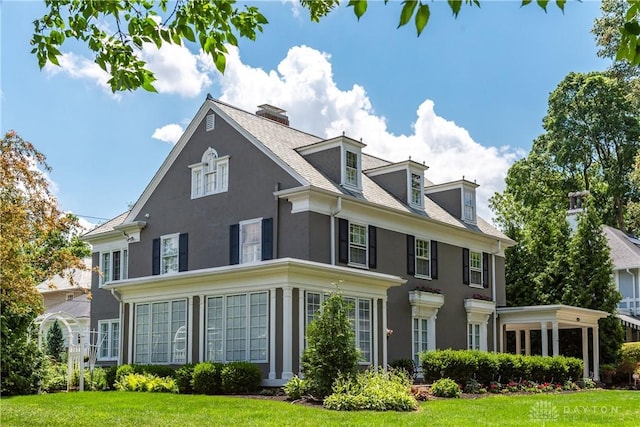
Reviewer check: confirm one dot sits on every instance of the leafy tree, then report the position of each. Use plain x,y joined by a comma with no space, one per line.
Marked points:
115,31
29,253
55,341
331,349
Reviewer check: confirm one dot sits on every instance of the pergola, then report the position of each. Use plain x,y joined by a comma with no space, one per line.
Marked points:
555,317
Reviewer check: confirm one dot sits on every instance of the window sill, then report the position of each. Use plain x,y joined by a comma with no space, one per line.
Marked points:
193,197
475,285
421,276
360,266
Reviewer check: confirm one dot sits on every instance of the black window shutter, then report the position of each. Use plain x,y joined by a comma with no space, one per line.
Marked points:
485,270
343,240
465,266
234,244
155,260
267,239
373,251
434,259
183,252
411,255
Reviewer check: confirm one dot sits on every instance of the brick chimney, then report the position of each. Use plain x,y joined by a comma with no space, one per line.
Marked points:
273,113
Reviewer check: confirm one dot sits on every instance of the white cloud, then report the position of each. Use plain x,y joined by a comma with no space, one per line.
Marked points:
304,86
169,133
80,68
177,70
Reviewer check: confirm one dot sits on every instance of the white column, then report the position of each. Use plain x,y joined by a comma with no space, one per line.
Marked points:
585,351
121,333
555,340
272,334
287,332
301,325
518,345
190,330
431,332
483,336
596,354
384,328
527,342
376,333
545,340
203,331
131,322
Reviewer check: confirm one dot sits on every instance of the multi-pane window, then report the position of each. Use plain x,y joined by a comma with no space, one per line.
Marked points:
420,338
473,336
108,339
211,176
161,332
475,268
351,171
169,246
114,265
423,258
251,241
469,205
416,190
357,244
359,315
237,328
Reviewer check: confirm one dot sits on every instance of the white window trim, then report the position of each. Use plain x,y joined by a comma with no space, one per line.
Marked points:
472,327
175,236
222,175
241,225
418,275
420,203
366,247
343,167
471,269
429,344
124,265
247,327
149,335
108,338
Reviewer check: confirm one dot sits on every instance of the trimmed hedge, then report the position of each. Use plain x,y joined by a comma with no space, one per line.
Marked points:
207,378
240,377
464,365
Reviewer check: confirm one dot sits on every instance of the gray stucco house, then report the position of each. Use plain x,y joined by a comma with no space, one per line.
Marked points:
249,223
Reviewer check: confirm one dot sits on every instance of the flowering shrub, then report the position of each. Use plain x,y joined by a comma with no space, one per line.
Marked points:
428,289
482,297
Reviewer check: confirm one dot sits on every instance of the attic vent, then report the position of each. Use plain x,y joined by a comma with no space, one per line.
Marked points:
211,122
273,113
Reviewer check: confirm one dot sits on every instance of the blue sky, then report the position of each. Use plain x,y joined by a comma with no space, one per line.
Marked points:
467,97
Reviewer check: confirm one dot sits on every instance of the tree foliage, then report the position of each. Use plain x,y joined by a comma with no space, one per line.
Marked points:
55,341
331,349
115,31
35,244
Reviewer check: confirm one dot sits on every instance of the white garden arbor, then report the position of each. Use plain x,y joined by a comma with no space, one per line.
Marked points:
558,316
79,342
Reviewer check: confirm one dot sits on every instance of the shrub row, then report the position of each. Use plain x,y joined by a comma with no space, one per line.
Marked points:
201,378
146,383
464,365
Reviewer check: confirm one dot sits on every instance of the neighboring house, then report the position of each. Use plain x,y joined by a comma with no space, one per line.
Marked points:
249,223
625,256
65,299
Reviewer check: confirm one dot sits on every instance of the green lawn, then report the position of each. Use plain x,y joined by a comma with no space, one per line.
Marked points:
589,408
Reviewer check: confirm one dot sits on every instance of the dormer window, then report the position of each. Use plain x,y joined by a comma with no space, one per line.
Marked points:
211,175
352,168
416,184
469,212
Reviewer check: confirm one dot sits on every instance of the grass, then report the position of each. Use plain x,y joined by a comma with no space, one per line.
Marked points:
589,408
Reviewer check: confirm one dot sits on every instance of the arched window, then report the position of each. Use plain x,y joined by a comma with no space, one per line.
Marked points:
211,175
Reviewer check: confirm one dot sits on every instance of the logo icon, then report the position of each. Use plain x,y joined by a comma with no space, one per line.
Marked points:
543,412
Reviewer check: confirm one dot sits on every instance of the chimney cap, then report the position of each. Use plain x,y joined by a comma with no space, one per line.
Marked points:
272,108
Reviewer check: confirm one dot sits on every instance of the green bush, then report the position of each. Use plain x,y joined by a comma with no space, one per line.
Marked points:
406,365
484,367
184,378
240,377
295,388
446,387
111,377
331,349
629,358
22,364
207,378
123,371
146,383
55,377
374,391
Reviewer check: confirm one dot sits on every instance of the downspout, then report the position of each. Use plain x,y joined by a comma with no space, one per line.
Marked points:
633,287
118,298
494,297
276,222
333,230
